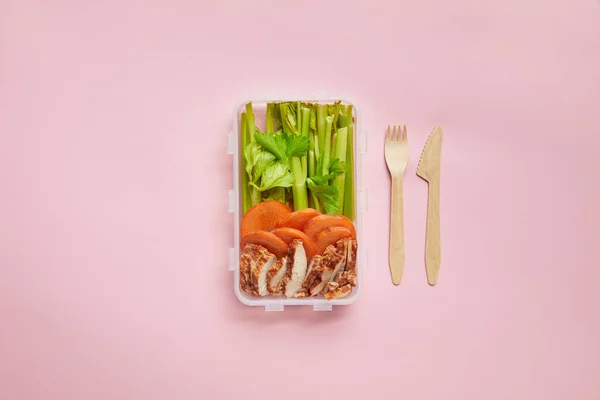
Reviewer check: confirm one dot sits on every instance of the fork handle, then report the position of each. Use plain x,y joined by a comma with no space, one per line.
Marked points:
397,231
433,252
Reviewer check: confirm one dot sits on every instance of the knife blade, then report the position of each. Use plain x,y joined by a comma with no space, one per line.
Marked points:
429,170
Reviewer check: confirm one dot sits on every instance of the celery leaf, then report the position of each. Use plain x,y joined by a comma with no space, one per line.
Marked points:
297,145
337,167
275,144
327,194
257,161
276,174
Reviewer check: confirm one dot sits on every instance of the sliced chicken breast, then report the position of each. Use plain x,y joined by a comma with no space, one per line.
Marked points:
342,249
352,248
247,259
331,286
329,263
311,274
339,293
297,266
348,276
276,274
260,268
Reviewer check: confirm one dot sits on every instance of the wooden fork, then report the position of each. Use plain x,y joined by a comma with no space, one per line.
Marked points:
396,157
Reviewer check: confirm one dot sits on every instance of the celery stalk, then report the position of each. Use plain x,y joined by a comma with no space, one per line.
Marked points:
349,185
270,119
304,161
317,148
298,165
340,152
321,124
311,158
327,144
311,172
299,117
255,195
299,187
312,167
303,128
334,143
245,189
340,180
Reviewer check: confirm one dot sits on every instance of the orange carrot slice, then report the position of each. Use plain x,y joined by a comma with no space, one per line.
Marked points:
289,234
298,219
330,236
269,241
264,217
322,222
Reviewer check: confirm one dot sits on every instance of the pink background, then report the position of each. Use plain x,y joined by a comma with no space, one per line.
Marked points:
114,227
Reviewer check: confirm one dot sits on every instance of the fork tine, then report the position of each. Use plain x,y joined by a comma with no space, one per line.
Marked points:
395,137
388,137
404,137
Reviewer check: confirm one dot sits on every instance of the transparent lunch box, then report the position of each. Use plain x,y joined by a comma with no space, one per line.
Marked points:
277,303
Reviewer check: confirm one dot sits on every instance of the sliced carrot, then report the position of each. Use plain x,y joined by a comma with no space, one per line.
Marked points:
298,219
269,241
322,222
330,236
264,217
289,234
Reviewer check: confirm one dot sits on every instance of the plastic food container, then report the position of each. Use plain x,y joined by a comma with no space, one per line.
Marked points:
278,303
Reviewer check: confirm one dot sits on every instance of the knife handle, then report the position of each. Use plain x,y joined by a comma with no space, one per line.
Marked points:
433,252
397,231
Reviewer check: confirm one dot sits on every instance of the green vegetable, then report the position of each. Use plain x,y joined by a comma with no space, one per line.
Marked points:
256,160
305,112
270,119
334,111
255,196
340,150
298,148
275,144
349,185
326,194
327,144
276,174
313,118
278,125
290,149
321,129
339,181
302,155
313,201
277,193
336,167
288,118
246,202
282,146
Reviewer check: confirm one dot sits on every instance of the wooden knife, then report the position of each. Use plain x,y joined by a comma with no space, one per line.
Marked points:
429,169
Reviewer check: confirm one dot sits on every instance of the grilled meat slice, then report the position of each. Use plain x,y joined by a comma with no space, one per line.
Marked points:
311,274
339,293
261,266
276,274
348,276
297,266
330,261
342,249
247,259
